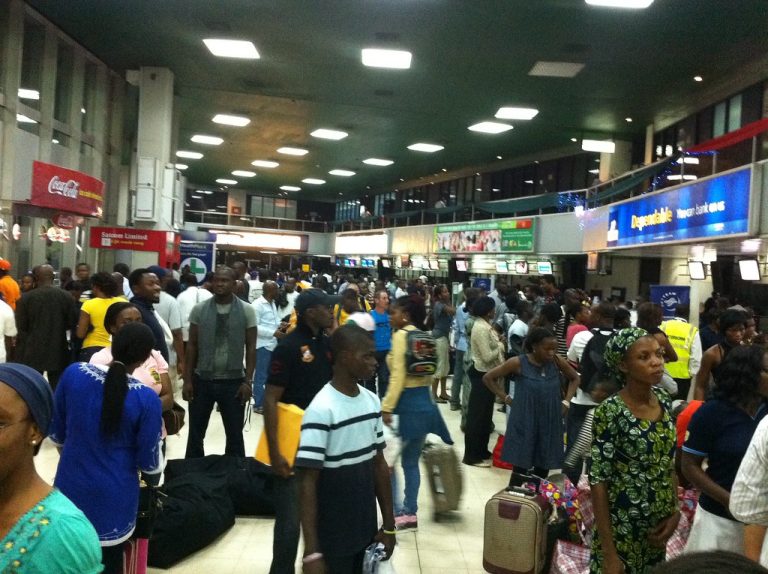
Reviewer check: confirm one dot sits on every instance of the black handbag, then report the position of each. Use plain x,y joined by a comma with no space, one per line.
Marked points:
150,505
174,418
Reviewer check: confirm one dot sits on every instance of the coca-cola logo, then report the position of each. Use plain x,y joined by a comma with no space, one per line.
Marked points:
67,188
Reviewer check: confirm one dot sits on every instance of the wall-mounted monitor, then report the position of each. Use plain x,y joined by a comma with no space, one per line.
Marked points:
521,267
425,265
544,267
749,269
434,264
385,263
353,262
461,265
696,270
501,267
593,261
347,263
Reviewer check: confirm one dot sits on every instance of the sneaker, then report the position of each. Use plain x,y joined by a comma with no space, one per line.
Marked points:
258,410
406,522
480,464
455,407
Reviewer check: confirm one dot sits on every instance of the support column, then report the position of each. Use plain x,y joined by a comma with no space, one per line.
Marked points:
614,164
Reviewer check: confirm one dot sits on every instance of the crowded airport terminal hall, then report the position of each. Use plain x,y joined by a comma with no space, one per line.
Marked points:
383,286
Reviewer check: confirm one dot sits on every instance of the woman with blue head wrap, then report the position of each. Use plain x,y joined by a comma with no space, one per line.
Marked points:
634,486
40,529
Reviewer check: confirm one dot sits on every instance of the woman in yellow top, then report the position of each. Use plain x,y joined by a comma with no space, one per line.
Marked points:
351,302
91,324
409,397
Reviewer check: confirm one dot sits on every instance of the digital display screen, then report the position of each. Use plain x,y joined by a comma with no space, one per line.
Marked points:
749,269
385,263
501,267
434,264
696,270
521,267
544,267
461,265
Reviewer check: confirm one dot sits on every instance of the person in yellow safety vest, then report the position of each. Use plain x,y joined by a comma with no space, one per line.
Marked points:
685,339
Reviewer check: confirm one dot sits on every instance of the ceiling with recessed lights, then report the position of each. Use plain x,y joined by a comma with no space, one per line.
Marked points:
594,68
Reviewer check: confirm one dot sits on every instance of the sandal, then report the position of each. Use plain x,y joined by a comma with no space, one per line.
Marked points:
445,397
440,400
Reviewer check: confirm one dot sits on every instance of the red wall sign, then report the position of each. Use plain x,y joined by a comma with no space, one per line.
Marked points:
130,238
65,189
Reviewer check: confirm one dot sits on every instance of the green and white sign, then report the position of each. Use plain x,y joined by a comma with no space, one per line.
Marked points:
509,236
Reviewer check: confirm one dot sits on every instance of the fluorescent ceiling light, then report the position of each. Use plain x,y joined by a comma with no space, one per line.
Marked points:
207,140
227,120
22,119
290,188
377,161
691,160
82,110
512,113
636,4
313,181
528,181
224,181
195,197
181,166
628,120
698,79
55,141
425,147
556,69
205,191
342,172
243,173
601,146
292,151
264,163
490,127
25,94
678,177
189,154
232,48
329,134
595,171
377,58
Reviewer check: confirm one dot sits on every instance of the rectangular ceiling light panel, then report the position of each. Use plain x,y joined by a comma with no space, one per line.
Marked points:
313,181
490,127
25,94
556,69
600,146
243,173
329,134
224,181
189,154
378,161
377,58
227,120
292,151
232,48
342,172
290,188
636,4
425,147
207,140
264,163
513,113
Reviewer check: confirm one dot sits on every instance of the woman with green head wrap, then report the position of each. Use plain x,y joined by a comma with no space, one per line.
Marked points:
634,488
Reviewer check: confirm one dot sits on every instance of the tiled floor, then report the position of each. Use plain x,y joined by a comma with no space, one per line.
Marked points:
446,547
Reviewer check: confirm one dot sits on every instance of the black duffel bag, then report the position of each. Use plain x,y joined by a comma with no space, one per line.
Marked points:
196,510
249,482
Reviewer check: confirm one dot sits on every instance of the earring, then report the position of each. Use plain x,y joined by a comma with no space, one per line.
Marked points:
34,442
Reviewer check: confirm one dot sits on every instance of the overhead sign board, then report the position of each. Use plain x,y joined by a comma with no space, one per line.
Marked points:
509,236
65,189
200,256
712,208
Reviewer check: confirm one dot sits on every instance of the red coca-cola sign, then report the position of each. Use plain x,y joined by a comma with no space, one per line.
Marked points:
66,189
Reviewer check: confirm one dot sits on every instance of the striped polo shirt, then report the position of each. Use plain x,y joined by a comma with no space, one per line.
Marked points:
340,435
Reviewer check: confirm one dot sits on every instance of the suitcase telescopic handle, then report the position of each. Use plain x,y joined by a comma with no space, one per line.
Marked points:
518,480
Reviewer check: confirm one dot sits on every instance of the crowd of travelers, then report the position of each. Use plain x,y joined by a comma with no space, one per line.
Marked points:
609,392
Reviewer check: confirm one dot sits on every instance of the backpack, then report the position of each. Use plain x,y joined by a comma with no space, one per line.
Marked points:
420,354
592,359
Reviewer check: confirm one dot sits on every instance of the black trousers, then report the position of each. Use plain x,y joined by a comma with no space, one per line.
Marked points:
683,386
112,558
208,393
345,564
479,419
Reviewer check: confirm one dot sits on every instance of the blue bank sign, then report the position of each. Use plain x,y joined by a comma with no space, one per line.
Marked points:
712,208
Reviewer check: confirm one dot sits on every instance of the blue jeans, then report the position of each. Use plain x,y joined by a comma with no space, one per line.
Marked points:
460,384
409,459
285,542
263,358
207,394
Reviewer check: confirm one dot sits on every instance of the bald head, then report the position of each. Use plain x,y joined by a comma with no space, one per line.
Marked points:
44,275
269,290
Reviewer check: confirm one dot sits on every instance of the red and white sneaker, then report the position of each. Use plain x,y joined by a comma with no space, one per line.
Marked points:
406,522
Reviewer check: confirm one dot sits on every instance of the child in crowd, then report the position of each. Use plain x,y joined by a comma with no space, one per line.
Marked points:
342,471
602,387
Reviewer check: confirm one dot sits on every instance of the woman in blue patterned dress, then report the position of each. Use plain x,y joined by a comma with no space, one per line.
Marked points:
634,487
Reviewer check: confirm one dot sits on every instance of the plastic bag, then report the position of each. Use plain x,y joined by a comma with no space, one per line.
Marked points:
373,562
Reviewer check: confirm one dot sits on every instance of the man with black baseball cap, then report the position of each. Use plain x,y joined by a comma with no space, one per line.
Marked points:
300,367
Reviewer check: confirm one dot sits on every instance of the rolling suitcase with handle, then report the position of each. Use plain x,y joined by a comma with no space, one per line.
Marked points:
444,476
515,534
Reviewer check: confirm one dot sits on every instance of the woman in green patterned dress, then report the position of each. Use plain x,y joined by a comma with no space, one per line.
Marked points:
634,489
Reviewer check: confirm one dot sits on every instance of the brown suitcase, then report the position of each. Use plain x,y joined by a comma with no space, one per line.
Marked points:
443,471
515,535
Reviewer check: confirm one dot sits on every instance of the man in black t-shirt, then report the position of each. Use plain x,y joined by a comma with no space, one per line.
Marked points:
300,367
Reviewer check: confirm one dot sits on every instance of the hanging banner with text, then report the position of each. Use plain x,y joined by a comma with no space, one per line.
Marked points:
66,190
130,238
510,236
669,297
200,256
713,208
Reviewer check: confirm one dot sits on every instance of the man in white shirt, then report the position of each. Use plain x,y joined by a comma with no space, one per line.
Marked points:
290,296
269,329
7,331
187,299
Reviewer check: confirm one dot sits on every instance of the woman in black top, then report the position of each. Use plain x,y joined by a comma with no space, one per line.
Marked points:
733,323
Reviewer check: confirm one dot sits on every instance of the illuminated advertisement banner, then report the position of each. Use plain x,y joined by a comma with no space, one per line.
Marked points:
512,236
712,208
66,190
368,244
277,241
